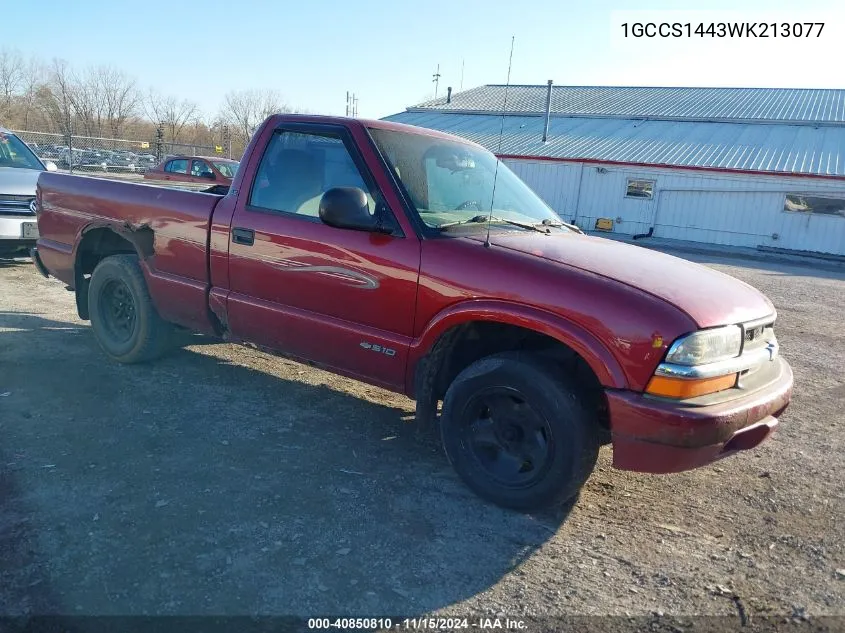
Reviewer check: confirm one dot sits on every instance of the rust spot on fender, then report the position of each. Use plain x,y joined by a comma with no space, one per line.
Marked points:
141,235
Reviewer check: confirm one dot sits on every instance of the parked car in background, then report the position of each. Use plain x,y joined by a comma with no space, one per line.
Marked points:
120,161
50,151
145,162
70,157
85,158
195,169
19,171
95,159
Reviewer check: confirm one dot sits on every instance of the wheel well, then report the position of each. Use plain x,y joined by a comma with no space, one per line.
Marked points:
96,245
464,344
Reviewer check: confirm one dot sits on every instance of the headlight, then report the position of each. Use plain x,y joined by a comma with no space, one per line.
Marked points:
706,346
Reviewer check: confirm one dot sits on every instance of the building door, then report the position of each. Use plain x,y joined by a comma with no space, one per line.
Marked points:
732,218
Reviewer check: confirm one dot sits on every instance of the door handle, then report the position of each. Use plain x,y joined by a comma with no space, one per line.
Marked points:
243,236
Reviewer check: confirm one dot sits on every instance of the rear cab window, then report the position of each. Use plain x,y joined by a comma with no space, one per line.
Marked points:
178,166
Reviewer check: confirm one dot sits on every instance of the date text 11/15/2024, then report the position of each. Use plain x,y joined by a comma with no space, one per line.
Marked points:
415,624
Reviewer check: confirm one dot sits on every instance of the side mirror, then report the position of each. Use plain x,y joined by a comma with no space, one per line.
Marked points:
346,208
51,166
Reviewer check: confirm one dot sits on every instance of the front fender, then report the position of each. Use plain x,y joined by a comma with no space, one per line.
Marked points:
595,353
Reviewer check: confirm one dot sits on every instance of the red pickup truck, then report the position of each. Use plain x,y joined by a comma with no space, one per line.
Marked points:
416,261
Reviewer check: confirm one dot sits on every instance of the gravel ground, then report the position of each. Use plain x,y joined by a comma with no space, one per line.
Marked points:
222,480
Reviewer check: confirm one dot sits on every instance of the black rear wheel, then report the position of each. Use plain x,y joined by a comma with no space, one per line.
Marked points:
123,317
517,433
117,310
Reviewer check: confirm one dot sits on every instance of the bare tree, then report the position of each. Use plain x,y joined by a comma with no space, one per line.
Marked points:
87,102
11,76
171,112
245,110
119,97
55,98
33,79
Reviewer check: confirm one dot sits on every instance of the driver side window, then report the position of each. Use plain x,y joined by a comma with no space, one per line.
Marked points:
298,168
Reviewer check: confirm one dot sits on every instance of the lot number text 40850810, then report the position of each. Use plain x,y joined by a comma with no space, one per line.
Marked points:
418,624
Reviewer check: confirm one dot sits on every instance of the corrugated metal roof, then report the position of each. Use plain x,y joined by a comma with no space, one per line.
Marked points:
787,149
794,105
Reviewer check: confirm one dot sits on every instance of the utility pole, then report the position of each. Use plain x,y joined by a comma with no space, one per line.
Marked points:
436,80
160,142
462,75
351,104
227,141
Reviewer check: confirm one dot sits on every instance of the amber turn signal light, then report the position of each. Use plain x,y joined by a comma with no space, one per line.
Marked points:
683,388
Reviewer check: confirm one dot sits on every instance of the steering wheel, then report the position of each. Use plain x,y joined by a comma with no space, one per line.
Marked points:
466,204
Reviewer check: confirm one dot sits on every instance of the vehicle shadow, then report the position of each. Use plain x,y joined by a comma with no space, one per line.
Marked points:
221,480
13,261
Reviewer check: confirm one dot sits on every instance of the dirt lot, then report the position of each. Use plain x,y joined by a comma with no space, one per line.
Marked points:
226,481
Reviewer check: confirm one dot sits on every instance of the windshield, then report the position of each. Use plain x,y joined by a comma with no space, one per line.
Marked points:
451,183
15,153
227,169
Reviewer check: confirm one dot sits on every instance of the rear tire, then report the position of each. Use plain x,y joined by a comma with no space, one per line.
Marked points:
123,317
517,433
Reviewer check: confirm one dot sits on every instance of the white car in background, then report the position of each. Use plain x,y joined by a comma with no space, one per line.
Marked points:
19,171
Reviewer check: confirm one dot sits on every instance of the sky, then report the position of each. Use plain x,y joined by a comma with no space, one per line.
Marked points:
313,52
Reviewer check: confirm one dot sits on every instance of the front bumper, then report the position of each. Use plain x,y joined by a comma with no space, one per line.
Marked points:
12,233
11,227
659,436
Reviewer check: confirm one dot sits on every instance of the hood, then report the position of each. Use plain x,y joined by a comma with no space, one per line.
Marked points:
16,181
709,297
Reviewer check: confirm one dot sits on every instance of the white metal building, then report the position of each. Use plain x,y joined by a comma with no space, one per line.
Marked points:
760,168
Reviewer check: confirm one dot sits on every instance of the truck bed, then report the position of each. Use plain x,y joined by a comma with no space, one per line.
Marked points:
169,225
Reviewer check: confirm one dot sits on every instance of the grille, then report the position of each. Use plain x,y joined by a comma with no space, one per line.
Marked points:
16,205
758,336
754,333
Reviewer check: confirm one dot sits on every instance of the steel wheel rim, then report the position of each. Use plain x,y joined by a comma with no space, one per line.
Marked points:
117,310
510,440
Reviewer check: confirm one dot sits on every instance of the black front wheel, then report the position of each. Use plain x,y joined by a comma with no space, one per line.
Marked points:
517,432
123,317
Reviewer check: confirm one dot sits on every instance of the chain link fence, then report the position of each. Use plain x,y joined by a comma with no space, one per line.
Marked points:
74,153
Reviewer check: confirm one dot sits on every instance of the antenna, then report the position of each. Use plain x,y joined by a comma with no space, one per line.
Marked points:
435,79
499,147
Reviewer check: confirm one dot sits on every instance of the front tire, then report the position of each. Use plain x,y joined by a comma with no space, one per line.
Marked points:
123,317
517,433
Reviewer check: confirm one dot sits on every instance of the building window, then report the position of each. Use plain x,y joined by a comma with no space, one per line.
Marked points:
637,188
817,205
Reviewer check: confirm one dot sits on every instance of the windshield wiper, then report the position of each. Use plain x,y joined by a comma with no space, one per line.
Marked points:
540,228
571,227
